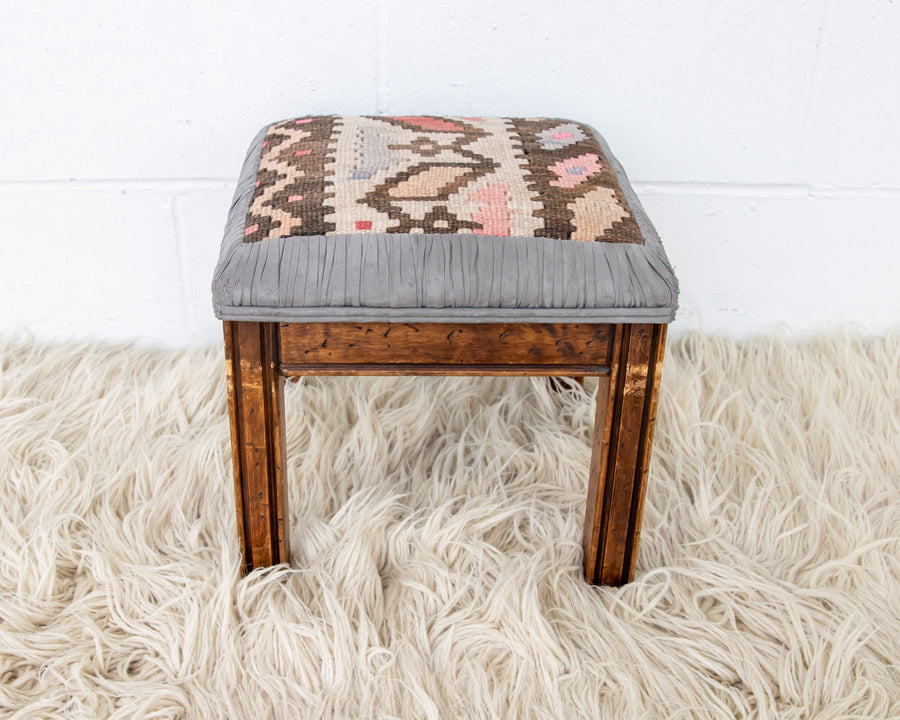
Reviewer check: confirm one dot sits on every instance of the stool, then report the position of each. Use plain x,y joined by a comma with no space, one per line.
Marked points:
442,246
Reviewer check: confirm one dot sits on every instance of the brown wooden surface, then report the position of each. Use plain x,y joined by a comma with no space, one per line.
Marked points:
600,442
623,435
234,424
256,408
649,425
438,369
486,344
628,359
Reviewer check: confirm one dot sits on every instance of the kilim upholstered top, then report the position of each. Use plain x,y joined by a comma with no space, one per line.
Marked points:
438,218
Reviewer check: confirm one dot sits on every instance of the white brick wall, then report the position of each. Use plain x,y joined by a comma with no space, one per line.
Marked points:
763,139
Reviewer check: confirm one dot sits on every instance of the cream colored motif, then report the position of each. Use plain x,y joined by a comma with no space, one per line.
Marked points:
519,177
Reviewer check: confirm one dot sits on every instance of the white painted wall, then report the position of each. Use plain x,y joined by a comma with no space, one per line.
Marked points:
763,139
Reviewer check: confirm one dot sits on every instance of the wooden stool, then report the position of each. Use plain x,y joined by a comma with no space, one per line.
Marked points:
442,246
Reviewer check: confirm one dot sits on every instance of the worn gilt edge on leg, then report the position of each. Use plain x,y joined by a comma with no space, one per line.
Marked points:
256,400
277,437
600,451
631,389
234,412
620,454
648,426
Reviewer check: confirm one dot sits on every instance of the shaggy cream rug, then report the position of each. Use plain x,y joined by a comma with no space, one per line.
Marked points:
436,536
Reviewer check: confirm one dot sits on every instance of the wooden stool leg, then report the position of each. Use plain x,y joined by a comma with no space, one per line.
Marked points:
620,458
256,410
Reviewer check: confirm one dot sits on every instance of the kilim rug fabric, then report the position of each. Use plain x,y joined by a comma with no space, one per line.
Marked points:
436,535
536,177
441,219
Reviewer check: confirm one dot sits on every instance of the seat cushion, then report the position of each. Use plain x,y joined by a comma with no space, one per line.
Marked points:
439,219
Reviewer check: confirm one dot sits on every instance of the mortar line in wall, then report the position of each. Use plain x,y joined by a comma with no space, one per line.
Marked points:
119,184
763,190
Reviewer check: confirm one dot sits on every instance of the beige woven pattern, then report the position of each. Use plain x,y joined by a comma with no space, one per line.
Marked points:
502,177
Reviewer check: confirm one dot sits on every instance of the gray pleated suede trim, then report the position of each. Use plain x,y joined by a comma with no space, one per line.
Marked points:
438,277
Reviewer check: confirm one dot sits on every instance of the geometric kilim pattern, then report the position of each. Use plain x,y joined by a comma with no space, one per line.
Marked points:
520,177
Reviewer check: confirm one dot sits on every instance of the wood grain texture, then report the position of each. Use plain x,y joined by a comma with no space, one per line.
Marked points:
594,508
256,411
292,370
623,436
627,358
649,425
234,413
527,344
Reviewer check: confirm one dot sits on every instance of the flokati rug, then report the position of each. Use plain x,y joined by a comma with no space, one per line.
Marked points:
436,527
